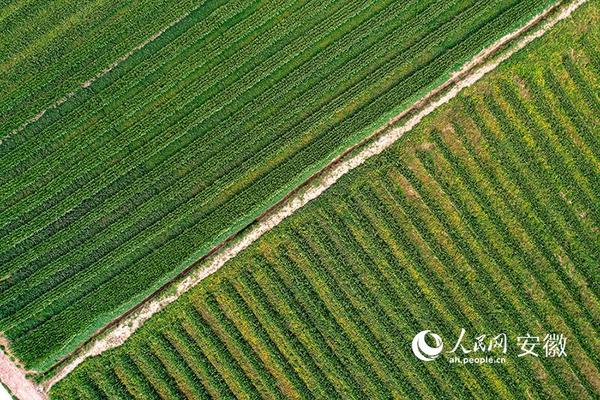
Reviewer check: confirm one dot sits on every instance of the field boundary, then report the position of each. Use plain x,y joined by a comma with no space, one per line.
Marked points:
15,380
115,333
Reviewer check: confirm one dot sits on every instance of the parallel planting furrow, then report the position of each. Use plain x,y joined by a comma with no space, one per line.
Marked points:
483,218
147,168
51,47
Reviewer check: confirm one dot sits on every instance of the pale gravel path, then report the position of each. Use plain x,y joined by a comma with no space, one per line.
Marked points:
99,75
467,76
14,378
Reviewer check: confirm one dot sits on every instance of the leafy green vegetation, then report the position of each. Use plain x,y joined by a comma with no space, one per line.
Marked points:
49,48
130,181
485,217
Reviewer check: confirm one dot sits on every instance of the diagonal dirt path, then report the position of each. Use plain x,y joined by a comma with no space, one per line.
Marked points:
14,378
486,61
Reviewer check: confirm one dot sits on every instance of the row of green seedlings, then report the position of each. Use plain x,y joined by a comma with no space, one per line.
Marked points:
432,278
512,243
484,129
346,244
590,49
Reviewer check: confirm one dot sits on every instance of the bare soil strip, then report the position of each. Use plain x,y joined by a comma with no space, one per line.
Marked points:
14,379
486,61
89,82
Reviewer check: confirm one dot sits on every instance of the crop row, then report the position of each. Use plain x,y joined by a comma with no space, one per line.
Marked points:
173,157
484,219
51,47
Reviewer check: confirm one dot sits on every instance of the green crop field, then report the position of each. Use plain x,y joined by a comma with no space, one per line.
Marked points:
486,217
48,48
134,178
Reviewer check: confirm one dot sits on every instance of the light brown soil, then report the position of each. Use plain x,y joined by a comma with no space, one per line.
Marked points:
14,379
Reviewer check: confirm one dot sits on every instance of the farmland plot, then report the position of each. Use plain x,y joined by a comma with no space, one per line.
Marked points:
485,218
136,177
48,48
